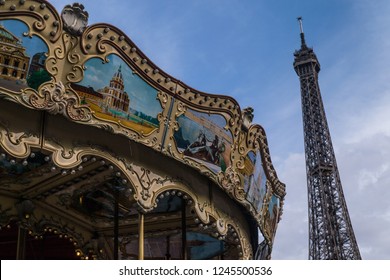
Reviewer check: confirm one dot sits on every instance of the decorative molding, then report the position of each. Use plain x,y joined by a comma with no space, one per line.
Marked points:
56,99
38,226
232,182
247,118
17,143
75,19
41,17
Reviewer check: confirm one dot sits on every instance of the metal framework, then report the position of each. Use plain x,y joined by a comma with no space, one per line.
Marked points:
331,235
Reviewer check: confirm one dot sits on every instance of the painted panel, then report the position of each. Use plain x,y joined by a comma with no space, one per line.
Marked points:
22,58
273,213
115,93
203,138
254,180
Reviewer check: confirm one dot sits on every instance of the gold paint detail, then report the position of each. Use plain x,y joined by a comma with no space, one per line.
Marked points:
54,98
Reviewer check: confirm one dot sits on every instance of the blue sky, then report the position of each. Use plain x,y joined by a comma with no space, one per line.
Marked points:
244,48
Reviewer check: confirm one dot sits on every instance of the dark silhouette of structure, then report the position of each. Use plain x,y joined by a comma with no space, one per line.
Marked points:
331,234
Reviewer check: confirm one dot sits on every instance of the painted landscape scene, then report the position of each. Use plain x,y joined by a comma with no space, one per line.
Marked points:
254,180
115,93
203,138
273,212
22,59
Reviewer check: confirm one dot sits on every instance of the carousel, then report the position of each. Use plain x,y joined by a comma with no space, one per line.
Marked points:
103,155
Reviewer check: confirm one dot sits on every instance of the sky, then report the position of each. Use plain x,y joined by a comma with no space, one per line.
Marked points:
244,49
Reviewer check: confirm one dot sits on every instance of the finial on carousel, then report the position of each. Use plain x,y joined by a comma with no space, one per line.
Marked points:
75,19
247,118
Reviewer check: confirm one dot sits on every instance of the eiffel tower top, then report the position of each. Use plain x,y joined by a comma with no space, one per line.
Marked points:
305,54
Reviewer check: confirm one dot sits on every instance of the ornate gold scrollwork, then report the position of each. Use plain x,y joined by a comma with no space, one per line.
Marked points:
41,17
231,181
54,98
17,143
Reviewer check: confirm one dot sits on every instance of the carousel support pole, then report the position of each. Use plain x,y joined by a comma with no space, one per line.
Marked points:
43,129
141,235
183,230
25,209
168,254
116,226
21,245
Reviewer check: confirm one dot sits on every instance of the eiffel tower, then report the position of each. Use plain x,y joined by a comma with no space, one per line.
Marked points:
331,236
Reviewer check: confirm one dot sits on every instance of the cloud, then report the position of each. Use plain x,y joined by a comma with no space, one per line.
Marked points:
369,119
292,234
365,173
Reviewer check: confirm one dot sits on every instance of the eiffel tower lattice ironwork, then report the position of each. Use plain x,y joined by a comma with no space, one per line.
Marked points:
331,235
